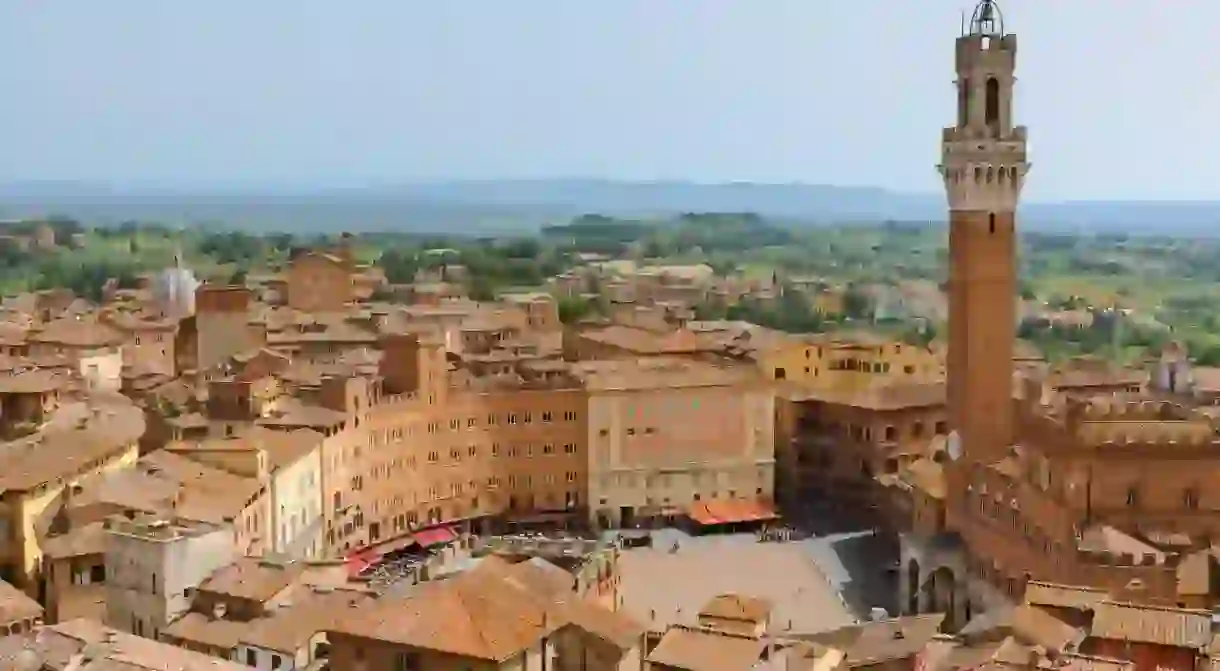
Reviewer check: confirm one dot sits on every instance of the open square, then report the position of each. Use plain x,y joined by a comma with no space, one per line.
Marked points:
661,588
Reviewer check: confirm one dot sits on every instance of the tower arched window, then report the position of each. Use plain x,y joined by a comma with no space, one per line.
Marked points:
991,113
963,102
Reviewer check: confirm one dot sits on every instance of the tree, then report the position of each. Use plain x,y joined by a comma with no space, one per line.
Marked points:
481,290
400,267
572,309
857,304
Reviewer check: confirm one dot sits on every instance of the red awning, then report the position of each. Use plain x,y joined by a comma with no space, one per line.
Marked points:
707,513
702,514
360,561
435,536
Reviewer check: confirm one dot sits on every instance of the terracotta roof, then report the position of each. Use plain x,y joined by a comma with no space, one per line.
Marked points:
15,605
77,333
37,381
203,493
254,579
195,627
1040,593
1177,627
692,649
306,416
1035,626
109,429
737,607
876,642
543,576
89,539
884,397
291,627
554,585
475,614
112,650
657,373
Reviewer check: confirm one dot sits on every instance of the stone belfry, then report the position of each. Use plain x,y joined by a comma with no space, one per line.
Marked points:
983,165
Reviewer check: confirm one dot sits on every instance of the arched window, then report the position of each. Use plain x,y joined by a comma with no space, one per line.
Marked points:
963,102
991,114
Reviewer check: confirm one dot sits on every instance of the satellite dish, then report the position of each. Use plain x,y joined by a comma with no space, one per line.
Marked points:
954,445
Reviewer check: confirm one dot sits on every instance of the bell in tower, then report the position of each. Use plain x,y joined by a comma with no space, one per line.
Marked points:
986,20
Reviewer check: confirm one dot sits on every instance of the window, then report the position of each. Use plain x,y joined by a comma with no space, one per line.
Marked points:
1133,497
97,574
546,417
251,658
1190,498
548,448
963,102
407,661
991,114
276,661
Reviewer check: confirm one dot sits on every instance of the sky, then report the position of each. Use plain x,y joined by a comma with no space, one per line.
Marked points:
1120,96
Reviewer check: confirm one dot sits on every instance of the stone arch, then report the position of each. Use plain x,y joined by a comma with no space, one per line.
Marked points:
913,575
991,106
963,102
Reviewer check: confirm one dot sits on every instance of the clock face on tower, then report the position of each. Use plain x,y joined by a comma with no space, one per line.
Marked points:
954,445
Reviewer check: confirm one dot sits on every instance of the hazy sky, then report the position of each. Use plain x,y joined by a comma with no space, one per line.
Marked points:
1120,96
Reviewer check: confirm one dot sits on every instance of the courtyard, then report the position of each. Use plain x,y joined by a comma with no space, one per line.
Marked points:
661,588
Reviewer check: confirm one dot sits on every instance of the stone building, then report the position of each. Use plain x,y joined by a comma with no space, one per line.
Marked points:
153,564
1079,476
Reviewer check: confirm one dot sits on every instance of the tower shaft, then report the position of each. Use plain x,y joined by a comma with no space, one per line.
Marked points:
983,165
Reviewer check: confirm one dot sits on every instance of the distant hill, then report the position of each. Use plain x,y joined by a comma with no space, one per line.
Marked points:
500,206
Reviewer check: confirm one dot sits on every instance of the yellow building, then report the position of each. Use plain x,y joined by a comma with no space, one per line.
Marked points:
840,361
80,440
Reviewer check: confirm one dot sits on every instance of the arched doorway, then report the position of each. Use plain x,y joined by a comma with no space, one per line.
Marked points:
912,587
940,591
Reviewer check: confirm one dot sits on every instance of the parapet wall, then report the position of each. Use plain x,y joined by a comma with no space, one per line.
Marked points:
1127,559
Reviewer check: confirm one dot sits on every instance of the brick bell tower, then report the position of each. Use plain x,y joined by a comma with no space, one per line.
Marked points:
983,165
